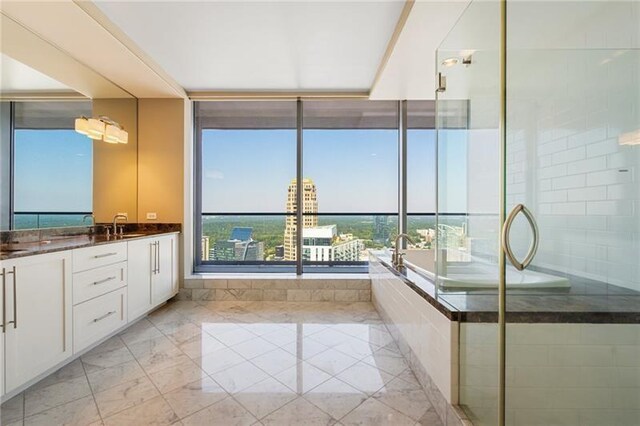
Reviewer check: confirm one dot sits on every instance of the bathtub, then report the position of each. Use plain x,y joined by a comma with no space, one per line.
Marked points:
474,274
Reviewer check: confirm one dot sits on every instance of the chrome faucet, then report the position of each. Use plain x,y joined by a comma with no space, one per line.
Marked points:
396,258
115,219
89,216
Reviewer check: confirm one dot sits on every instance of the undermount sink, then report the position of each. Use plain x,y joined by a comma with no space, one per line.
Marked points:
133,235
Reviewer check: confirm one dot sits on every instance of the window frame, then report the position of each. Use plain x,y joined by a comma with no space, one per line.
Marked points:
300,265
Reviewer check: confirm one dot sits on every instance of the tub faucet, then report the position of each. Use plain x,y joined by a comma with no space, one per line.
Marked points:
396,258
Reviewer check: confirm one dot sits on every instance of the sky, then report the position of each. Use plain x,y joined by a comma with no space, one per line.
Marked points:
354,170
250,170
53,171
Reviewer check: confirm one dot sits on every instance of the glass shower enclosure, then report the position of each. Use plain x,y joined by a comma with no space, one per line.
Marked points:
549,248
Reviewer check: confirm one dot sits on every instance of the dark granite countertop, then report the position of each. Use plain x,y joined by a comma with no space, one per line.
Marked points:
16,244
586,301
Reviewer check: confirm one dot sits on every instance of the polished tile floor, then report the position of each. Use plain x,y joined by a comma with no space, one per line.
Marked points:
235,363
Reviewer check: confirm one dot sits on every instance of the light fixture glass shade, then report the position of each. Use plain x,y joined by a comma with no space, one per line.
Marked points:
112,134
82,126
96,128
630,138
124,136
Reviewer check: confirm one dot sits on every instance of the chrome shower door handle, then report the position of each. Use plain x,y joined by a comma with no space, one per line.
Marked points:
506,230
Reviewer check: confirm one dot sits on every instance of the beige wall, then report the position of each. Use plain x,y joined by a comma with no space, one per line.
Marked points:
161,124
115,166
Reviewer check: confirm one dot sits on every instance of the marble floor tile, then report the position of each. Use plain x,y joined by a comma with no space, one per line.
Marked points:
157,354
231,338
407,398
374,413
223,413
298,412
40,399
430,418
201,345
195,396
356,348
332,361
98,361
304,349
253,348
335,397
281,337
275,361
125,395
386,360
12,410
235,363
176,376
329,337
139,332
265,397
364,377
101,380
219,360
82,411
239,377
68,372
302,377
155,412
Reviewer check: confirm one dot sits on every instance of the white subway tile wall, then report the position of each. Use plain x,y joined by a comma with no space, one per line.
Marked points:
556,373
431,337
564,160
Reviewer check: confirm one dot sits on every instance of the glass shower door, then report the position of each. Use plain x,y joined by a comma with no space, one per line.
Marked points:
468,221
573,161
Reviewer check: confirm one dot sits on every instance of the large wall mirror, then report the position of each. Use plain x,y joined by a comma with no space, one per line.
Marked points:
50,175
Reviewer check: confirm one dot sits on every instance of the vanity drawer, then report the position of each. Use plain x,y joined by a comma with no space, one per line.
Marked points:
97,318
94,257
98,281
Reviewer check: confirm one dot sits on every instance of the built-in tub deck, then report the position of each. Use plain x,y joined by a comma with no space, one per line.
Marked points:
584,301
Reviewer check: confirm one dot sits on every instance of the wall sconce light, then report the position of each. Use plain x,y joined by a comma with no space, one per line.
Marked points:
102,128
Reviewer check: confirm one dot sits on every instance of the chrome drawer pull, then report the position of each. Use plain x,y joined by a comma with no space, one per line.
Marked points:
104,281
108,314
15,298
4,301
98,256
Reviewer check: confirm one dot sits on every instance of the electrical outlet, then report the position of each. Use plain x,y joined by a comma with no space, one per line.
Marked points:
152,216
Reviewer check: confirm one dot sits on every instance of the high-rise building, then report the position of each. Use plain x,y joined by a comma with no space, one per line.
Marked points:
309,205
323,244
205,247
240,246
381,230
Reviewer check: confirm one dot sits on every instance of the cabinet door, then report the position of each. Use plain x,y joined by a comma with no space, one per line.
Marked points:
162,280
141,255
4,283
38,296
175,259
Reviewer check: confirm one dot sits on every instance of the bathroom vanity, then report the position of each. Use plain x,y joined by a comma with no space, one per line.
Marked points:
65,292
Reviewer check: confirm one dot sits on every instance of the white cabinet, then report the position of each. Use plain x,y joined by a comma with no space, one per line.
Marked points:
162,278
38,315
97,318
153,275
59,304
139,266
100,255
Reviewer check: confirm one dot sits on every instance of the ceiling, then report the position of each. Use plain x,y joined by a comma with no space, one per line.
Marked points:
249,46
16,77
